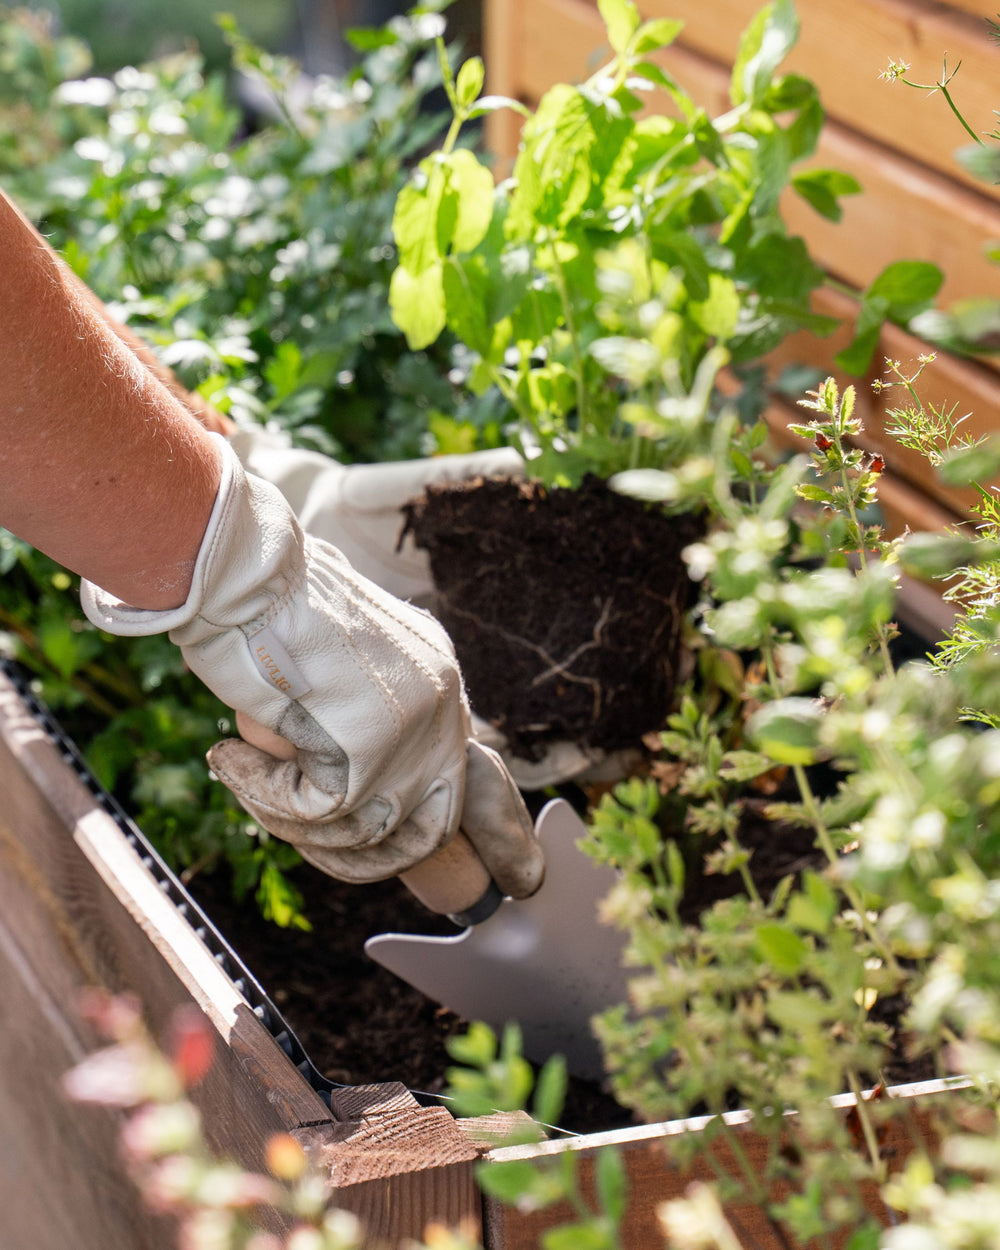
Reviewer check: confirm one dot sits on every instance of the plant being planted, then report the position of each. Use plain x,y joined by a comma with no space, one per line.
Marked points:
596,291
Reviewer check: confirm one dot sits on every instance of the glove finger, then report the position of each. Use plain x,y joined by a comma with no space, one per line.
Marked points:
300,799
356,847
496,822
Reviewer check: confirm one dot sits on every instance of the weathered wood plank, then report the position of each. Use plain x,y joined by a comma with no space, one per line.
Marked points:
905,212
61,1181
79,908
653,1179
398,1166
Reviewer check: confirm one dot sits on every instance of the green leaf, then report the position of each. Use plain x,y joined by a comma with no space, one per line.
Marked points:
611,1183
66,645
788,730
857,355
418,305
284,369
477,1047
471,185
415,219
815,908
470,81
550,1091
822,188
906,283
655,34
814,493
942,555
719,313
279,901
980,462
783,949
744,765
868,1237
621,18
779,267
516,1182
765,43
679,248
569,150
585,1235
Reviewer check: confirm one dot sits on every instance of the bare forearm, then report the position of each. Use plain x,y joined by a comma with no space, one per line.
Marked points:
200,408
100,466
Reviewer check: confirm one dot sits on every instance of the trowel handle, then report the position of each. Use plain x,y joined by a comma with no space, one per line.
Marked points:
452,882
455,882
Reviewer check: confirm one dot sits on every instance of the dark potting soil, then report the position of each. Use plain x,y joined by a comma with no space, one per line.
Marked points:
565,606
358,1023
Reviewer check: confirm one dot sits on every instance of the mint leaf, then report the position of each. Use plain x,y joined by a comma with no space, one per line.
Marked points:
417,304
621,17
822,187
472,187
765,43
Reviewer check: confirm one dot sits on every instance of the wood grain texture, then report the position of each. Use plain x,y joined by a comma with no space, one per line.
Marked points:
396,1165
78,908
61,1181
653,1178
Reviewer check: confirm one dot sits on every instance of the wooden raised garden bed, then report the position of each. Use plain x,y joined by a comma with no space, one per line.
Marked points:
84,902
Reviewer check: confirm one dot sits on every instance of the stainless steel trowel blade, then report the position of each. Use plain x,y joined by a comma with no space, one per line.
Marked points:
545,962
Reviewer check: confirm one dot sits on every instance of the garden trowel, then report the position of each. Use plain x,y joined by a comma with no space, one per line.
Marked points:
545,962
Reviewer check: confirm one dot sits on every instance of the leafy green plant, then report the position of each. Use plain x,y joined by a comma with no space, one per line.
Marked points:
592,287
808,872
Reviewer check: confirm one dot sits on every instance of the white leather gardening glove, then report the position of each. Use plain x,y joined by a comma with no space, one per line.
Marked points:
358,508
366,687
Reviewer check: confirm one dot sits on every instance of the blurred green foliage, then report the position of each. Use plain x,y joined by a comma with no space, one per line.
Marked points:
256,261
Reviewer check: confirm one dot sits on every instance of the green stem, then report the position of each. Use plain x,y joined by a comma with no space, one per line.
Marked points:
858,534
757,1192
451,138
943,88
581,388
867,1128
815,816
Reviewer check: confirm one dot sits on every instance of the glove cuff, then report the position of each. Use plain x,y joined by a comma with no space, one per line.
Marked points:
251,553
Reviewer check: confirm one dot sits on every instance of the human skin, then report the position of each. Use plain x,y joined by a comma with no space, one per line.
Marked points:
101,467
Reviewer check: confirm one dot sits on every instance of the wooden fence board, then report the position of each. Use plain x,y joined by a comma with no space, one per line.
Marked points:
843,48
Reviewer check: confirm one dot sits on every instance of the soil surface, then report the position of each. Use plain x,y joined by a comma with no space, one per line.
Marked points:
358,1023
565,606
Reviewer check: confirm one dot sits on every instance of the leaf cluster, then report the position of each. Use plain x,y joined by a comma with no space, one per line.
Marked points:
629,244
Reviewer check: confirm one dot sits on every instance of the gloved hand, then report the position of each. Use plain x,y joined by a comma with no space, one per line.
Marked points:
357,508
285,631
